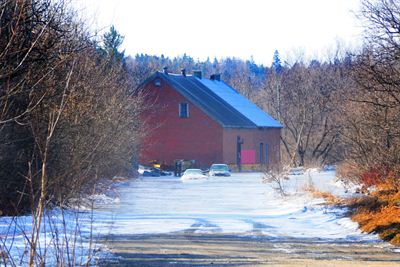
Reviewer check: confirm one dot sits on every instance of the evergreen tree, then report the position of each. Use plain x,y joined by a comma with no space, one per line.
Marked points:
112,42
276,63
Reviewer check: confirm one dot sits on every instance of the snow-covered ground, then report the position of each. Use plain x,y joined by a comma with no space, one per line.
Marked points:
64,238
241,204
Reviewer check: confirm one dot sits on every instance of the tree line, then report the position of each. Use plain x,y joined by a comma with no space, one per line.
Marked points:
68,111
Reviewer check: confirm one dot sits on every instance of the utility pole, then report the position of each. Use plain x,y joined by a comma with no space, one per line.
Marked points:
239,142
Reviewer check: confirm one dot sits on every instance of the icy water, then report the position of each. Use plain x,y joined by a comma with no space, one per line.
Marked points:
223,221
241,204
234,221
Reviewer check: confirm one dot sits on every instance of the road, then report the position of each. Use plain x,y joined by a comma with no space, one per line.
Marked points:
234,221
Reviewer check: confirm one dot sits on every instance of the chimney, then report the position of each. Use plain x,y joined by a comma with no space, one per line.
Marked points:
183,71
215,77
197,73
165,69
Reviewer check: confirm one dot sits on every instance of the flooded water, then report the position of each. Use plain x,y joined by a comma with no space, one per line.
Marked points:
235,221
241,204
223,221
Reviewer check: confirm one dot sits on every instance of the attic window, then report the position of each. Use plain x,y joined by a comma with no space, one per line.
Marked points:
183,110
157,83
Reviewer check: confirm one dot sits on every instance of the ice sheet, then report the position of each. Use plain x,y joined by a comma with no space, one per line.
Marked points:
240,204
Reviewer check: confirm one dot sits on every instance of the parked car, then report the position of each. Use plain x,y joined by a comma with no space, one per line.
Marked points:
152,172
193,174
329,168
219,170
296,171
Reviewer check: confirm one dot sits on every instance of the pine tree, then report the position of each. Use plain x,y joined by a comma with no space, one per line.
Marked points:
276,63
112,41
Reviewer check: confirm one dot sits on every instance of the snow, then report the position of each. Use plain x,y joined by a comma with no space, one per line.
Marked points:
241,204
241,104
59,238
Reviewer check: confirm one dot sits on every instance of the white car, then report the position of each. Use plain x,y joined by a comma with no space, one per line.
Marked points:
219,170
193,174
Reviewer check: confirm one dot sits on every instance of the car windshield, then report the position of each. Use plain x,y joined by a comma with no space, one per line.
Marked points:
219,167
193,171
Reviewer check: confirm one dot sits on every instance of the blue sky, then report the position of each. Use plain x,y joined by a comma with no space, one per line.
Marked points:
227,28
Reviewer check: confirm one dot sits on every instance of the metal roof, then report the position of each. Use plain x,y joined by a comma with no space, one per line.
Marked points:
241,103
220,101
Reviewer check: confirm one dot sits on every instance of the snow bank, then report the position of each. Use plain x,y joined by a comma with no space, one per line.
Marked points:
65,236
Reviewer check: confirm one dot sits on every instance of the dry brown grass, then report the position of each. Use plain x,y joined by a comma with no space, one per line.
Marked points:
376,211
328,197
379,213
385,222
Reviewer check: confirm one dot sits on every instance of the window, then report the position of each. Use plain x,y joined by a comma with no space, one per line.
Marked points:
261,153
183,110
266,153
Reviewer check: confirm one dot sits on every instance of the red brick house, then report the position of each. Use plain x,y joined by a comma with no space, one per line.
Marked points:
207,121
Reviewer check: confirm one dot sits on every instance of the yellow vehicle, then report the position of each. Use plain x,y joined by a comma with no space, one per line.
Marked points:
155,164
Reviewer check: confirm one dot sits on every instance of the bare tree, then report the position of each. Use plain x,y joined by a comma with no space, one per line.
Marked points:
372,112
277,180
69,113
304,98
47,58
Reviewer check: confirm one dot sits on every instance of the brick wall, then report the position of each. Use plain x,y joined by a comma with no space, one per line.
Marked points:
252,139
170,137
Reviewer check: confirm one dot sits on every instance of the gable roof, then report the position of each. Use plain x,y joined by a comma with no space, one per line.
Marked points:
220,101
